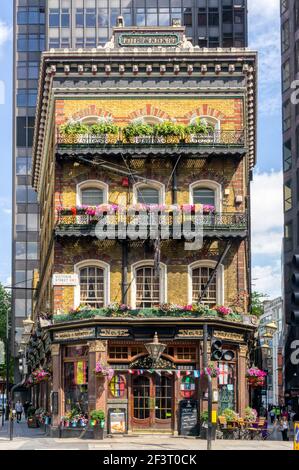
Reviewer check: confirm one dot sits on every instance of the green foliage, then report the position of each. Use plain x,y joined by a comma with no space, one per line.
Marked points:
199,127
76,128
169,129
257,303
97,415
229,414
104,128
5,301
137,129
204,417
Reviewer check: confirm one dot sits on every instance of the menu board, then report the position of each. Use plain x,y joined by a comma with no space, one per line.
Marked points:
117,421
189,425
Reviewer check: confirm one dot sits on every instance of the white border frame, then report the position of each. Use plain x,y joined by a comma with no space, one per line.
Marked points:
90,184
219,279
210,184
163,280
98,264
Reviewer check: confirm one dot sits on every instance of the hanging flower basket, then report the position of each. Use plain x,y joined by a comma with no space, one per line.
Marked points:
103,371
256,377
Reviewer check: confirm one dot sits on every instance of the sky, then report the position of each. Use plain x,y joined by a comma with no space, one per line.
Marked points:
267,187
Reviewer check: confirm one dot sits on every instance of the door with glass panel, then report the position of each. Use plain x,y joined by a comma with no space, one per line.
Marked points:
152,401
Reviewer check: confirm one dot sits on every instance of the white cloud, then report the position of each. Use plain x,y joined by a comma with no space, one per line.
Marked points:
267,202
267,232
267,280
266,9
5,33
264,27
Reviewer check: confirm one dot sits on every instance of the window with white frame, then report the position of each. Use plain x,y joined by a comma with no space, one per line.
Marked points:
200,278
204,196
93,287
152,193
199,275
92,193
92,196
147,288
147,195
206,192
92,291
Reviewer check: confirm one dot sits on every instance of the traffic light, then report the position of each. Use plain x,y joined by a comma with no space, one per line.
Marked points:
295,292
21,365
220,354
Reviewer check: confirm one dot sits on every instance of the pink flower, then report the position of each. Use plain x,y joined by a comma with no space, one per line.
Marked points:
223,310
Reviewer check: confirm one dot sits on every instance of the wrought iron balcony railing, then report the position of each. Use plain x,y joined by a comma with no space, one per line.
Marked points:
219,138
84,224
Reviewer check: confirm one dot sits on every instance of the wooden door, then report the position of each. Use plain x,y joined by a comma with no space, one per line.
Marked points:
152,402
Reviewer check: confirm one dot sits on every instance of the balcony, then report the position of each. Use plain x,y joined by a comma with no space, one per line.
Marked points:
216,142
216,225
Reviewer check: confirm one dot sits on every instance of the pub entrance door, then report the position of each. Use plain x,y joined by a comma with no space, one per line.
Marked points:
152,402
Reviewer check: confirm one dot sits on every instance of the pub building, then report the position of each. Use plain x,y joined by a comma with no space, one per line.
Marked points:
150,122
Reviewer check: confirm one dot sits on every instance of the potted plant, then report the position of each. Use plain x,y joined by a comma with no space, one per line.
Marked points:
32,421
97,417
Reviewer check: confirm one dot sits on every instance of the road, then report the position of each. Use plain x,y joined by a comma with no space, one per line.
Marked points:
35,439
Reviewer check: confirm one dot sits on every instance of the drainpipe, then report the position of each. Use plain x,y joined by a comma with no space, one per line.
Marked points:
124,281
174,186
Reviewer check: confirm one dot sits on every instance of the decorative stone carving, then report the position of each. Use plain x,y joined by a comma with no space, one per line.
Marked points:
243,350
97,346
55,349
229,335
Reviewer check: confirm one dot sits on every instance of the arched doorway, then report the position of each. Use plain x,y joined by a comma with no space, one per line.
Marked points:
152,394
152,401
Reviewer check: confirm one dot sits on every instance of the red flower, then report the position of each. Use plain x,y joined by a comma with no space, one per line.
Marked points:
74,210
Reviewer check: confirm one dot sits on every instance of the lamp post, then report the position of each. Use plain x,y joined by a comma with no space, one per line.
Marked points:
155,349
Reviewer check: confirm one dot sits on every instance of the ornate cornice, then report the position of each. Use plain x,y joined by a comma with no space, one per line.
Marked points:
193,62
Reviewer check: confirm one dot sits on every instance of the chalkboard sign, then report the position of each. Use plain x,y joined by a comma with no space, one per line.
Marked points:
188,423
55,403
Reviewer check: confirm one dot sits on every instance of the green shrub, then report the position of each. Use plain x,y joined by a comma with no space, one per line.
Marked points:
97,415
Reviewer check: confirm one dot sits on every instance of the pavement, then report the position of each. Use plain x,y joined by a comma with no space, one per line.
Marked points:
35,439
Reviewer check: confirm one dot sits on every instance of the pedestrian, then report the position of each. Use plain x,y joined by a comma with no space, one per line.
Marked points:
26,406
277,413
284,428
295,417
272,415
19,410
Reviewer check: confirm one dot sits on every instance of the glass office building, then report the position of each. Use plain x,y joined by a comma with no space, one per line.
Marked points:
44,24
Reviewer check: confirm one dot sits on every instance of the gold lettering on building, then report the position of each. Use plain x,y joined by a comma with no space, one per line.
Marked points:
74,334
112,333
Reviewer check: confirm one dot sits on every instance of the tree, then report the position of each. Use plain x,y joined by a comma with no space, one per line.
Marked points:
257,303
5,301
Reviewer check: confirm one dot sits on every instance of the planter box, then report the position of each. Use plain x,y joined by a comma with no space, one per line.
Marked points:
98,433
32,423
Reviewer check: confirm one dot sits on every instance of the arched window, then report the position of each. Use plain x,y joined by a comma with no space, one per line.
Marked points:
117,386
93,288
92,193
152,193
206,192
148,119
208,120
204,196
199,275
148,288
